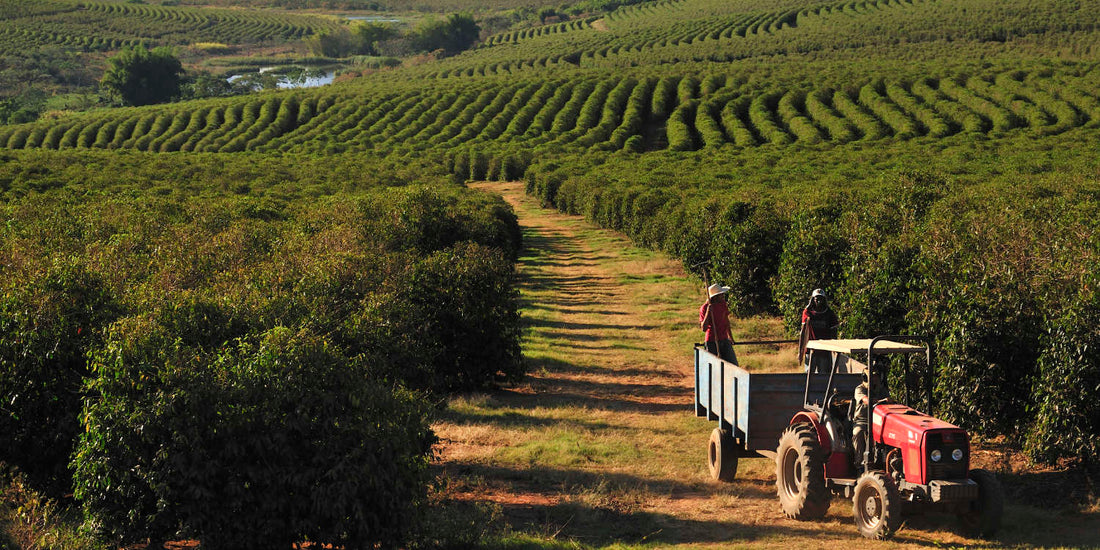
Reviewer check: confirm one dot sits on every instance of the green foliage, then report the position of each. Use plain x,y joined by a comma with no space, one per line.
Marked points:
1067,400
50,315
814,256
455,33
363,39
107,26
137,76
454,314
275,304
296,443
745,250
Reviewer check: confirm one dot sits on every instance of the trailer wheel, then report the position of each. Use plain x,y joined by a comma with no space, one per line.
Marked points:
800,474
876,506
722,455
983,518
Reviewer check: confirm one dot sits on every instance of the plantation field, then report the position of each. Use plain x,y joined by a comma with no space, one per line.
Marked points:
930,163
109,25
635,113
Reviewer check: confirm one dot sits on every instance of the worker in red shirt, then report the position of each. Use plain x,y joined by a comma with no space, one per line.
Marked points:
714,320
819,322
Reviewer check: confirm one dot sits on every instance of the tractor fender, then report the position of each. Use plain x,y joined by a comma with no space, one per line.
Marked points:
836,461
810,417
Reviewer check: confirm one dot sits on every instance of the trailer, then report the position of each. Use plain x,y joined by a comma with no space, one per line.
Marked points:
752,409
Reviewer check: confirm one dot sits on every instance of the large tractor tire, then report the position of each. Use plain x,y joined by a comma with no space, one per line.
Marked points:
983,519
876,506
722,456
800,474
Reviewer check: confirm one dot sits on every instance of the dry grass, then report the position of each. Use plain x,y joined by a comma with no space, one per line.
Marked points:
599,447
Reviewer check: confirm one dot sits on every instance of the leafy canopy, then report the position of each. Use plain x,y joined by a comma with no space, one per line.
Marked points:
137,76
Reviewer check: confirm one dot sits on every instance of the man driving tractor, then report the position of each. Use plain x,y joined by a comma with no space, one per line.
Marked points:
874,384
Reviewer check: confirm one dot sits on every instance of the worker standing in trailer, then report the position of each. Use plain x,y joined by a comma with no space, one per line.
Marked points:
819,322
714,320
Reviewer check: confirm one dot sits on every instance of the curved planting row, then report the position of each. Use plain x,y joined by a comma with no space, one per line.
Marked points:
225,25
607,113
673,31
512,37
213,127
98,26
15,39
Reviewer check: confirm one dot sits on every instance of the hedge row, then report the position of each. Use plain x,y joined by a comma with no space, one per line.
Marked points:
230,363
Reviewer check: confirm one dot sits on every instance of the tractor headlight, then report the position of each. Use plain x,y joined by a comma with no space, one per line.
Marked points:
937,455
957,454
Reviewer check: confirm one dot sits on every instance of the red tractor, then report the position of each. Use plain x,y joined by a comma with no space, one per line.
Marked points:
910,460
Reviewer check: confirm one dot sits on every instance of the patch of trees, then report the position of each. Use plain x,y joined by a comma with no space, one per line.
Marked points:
455,33
137,76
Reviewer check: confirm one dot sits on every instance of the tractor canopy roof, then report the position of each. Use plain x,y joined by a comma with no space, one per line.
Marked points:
860,345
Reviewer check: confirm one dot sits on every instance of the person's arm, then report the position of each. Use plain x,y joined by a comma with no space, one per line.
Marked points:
704,316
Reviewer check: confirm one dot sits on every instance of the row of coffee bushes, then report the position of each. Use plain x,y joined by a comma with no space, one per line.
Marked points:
989,248
252,363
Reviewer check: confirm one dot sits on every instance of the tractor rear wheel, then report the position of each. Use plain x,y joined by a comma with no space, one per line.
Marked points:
800,474
722,455
876,506
984,515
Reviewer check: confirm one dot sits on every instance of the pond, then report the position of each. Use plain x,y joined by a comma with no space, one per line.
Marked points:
284,78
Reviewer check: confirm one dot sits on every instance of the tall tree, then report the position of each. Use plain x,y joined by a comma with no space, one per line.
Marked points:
452,35
137,76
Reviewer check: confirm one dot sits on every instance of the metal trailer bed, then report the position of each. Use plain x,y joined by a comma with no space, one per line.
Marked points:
755,408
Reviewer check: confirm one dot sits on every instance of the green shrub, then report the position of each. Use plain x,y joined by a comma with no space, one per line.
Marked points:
1067,392
881,275
277,439
987,320
423,220
449,323
744,250
814,256
48,323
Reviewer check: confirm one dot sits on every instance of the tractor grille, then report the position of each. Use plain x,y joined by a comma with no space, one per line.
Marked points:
951,470
947,467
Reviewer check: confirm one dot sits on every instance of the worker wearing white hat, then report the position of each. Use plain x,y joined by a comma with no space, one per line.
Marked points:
714,320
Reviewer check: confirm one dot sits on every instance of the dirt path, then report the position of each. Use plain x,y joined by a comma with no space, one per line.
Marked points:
599,445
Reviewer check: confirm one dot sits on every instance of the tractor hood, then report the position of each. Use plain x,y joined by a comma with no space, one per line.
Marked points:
895,423
916,434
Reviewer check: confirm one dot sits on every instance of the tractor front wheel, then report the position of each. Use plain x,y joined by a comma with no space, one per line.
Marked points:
876,506
984,515
800,474
722,455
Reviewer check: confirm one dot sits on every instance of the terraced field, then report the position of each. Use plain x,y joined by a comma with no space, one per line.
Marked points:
638,113
109,25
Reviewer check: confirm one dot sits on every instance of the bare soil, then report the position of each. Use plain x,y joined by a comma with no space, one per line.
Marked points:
599,445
